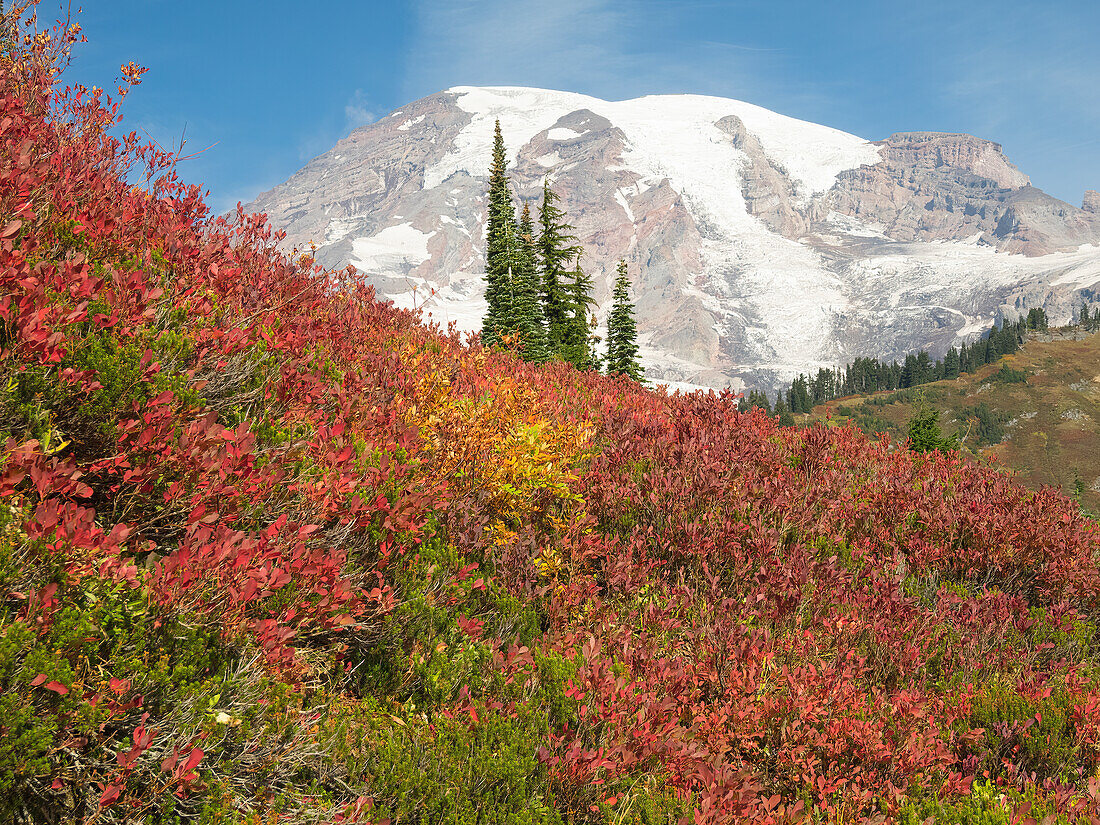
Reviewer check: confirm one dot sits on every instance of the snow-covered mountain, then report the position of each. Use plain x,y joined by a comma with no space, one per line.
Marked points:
760,246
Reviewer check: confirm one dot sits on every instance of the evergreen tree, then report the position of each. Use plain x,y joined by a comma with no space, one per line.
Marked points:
924,371
528,319
951,364
622,330
500,240
924,431
577,338
909,372
798,399
557,247
1037,318
783,411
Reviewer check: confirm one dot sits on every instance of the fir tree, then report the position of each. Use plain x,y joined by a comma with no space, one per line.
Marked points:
1037,318
924,431
951,364
556,248
528,320
798,399
622,330
500,240
576,345
783,411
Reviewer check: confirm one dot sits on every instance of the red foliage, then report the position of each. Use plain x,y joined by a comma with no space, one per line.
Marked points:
761,615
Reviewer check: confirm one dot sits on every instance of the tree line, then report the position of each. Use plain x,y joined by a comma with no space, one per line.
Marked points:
539,298
1089,323
866,376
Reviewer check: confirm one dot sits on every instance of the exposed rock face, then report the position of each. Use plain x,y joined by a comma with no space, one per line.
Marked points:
760,246
932,186
1091,203
938,150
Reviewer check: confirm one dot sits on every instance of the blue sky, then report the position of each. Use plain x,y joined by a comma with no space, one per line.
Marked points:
262,87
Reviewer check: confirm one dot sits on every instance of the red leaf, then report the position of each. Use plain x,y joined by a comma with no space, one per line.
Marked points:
57,687
37,680
110,795
193,759
11,229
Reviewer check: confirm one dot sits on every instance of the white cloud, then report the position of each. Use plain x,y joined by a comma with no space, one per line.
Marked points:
566,43
358,112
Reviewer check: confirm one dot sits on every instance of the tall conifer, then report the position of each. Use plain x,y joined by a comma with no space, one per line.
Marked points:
530,324
577,339
500,238
622,330
557,246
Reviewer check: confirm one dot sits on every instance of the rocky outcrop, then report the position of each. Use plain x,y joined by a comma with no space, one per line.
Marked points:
956,152
1091,202
769,194
932,186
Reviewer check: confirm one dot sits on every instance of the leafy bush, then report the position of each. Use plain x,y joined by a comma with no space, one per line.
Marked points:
273,551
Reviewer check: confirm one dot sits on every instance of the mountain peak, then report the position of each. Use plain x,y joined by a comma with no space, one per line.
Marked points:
760,245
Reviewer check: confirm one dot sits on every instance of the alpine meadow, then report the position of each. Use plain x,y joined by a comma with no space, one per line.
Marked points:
275,551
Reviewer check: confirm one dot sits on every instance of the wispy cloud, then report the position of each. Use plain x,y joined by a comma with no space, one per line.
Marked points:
358,111
608,48
568,43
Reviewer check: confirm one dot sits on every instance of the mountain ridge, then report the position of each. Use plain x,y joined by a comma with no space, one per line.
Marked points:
760,245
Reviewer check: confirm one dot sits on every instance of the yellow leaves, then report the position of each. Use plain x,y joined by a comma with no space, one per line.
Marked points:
497,441
549,561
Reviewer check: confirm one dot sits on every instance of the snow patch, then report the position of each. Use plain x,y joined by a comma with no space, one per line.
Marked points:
338,229
550,160
561,133
408,124
393,251
449,220
461,301
621,200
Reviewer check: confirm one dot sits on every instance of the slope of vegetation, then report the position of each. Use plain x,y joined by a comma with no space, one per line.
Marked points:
271,551
1037,411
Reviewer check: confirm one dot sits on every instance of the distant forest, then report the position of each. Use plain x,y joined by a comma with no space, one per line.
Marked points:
865,376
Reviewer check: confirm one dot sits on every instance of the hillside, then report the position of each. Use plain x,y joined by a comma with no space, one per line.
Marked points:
273,551
1044,424
760,246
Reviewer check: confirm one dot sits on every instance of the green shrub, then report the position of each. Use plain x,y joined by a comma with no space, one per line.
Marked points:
1007,375
986,805
1035,735
461,771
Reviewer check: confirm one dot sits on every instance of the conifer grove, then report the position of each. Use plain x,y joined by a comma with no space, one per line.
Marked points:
539,296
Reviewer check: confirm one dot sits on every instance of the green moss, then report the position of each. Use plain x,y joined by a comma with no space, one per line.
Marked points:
1037,735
